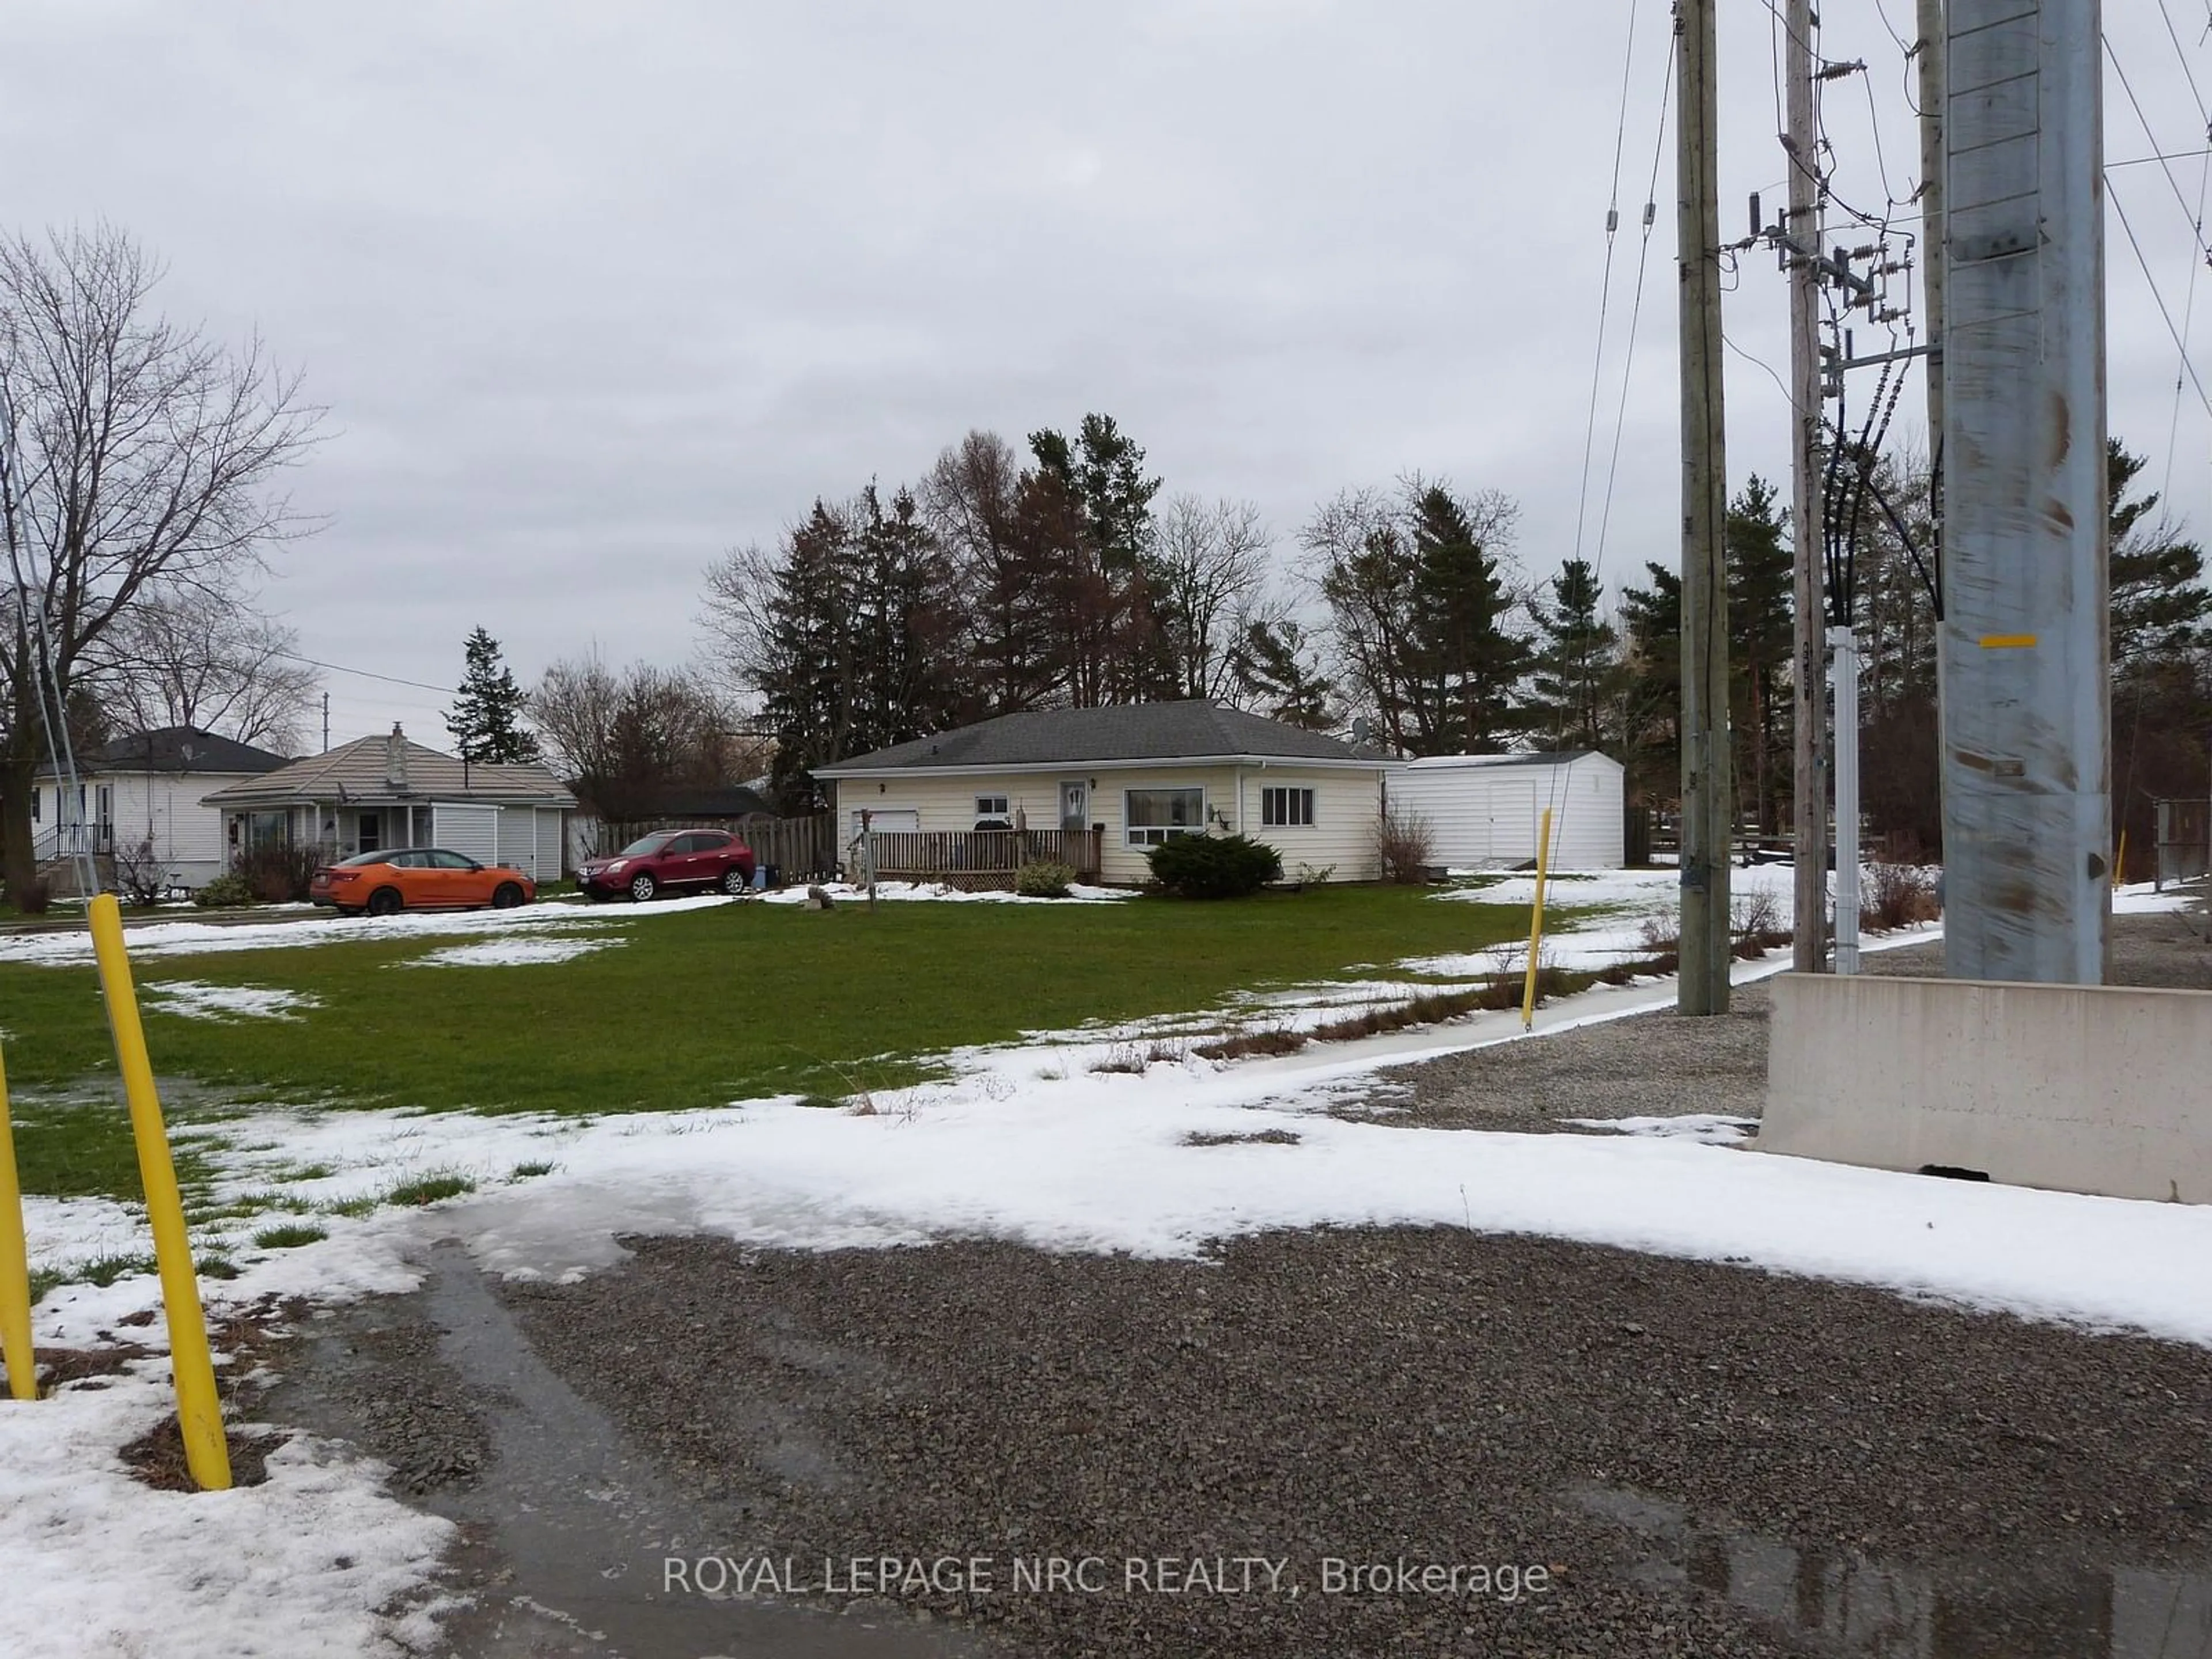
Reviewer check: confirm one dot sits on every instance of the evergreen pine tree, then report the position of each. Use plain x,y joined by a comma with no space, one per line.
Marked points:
1575,672
1275,676
486,718
1651,697
1761,583
1470,665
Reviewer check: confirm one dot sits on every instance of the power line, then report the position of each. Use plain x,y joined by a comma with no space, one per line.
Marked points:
2195,231
2180,345
2190,75
367,674
1635,312
1605,286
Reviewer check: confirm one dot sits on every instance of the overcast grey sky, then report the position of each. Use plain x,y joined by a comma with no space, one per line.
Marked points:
593,293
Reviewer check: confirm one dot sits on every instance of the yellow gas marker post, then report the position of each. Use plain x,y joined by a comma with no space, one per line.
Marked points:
15,1266
199,1413
1536,921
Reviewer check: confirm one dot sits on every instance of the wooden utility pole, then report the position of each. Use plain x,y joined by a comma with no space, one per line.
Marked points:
1931,250
1707,815
1802,246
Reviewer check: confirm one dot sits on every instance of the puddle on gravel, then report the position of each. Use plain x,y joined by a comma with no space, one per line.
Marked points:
567,1529
1848,1606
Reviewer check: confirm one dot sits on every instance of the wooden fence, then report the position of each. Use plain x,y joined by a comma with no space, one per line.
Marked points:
976,858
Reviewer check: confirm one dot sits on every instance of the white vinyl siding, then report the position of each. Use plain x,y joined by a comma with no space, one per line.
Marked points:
1347,805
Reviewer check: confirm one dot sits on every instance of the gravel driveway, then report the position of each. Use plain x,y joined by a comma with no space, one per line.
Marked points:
1660,1458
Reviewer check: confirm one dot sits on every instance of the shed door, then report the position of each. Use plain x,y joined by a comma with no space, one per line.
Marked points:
473,831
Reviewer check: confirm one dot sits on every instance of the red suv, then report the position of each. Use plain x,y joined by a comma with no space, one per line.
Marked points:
670,858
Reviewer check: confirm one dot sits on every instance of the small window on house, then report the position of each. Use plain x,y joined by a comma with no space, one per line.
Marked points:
992,807
1150,817
1280,807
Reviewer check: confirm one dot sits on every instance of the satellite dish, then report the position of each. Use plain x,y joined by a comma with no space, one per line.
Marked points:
1362,729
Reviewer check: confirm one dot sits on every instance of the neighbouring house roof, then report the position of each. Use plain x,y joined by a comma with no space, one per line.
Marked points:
1198,730
384,771
1556,757
735,800
174,748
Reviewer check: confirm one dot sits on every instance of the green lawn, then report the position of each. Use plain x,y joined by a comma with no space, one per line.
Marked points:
704,1006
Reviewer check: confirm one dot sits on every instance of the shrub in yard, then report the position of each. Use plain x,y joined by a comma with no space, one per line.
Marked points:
278,872
226,891
1214,866
1404,842
140,876
1895,895
1044,879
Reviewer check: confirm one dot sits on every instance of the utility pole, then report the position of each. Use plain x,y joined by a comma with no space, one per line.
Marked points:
2027,816
1800,246
1707,818
327,722
1931,248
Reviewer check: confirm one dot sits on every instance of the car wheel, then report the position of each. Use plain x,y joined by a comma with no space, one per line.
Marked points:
643,887
385,901
734,881
505,896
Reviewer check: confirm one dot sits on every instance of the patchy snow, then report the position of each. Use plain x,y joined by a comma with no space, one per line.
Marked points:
1072,1140
166,939
196,1000
1712,1128
305,1566
515,953
943,892
2139,898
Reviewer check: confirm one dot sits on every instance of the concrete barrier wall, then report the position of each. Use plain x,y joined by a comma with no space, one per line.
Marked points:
2085,1088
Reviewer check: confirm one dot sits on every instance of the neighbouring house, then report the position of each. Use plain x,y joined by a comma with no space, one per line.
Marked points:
1106,785
1483,812
145,790
388,791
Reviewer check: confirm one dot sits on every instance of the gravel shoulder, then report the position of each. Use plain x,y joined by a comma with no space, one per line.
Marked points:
1663,1437
1665,1065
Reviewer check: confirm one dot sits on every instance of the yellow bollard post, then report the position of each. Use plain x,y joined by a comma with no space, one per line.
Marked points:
15,1266
199,1413
2120,863
1536,921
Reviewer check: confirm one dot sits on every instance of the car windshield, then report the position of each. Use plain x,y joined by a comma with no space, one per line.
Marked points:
381,856
644,844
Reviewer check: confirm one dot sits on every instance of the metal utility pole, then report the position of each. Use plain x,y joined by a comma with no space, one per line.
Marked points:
1802,231
327,722
2026,761
1707,818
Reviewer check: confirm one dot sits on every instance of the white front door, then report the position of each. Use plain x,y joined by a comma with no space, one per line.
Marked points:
1075,805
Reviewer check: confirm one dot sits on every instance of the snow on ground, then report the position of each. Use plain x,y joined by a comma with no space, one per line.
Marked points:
68,947
1710,1128
2139,898
300,1567
1069,1141
195,1001
942,892
515,953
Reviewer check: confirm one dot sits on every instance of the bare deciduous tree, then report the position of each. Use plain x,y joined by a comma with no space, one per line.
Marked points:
1210,561
134,453
625,737
203,657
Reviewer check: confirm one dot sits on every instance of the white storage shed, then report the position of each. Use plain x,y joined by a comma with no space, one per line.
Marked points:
1483,810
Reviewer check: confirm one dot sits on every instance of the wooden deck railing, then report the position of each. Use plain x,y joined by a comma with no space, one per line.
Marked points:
977,858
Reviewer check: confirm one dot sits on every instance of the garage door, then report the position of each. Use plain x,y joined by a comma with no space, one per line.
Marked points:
472,830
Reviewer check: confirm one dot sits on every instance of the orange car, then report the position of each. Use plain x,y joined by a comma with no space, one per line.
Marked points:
417,879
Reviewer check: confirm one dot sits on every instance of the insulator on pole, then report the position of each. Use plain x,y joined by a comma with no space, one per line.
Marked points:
1757,224
1612,220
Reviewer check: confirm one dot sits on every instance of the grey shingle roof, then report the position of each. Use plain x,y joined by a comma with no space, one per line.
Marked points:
1149,730
358,771
174,748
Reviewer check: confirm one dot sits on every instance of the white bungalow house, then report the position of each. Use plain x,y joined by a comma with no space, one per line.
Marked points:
147,788
389,792
1116,781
